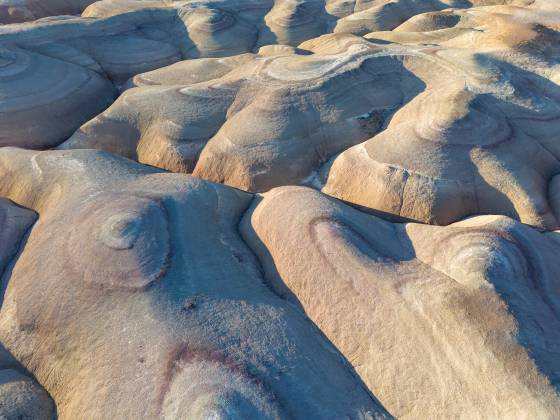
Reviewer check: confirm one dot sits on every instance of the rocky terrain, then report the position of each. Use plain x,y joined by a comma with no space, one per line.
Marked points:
277,209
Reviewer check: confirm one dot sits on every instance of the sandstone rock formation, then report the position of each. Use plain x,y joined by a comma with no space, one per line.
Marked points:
12,11
20,396
472,124
440,322
238,123
293,21
135,297
485,143
280,209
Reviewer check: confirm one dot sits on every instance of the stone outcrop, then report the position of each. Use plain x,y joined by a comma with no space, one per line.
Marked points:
135,297
440,322
446,121
279,209
13,11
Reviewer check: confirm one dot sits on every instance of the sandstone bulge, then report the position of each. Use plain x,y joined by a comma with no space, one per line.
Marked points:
127,248
414,307
279,209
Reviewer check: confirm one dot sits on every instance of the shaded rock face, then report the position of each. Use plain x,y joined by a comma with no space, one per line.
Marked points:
135,296
44,98
22,398
279,209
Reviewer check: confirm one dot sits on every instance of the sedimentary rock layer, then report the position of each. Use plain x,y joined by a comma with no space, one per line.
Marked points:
279,209
440,322
135,297
433,127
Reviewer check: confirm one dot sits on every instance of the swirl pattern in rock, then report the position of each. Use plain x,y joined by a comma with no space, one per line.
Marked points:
144,276
12,11
122,38
440,322
237,121
44,98
480,143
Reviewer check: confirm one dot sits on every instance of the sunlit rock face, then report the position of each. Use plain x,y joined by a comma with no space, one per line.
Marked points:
134,296
238,122
279,209
440,322
119,39
20,396
451,114
482,139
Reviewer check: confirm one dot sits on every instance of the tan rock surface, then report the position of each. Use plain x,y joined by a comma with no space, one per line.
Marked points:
482,137
12,11
135,297
130,289
440,322
237,121
462,129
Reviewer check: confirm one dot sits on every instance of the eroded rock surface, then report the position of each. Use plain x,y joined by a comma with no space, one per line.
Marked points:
461,107
440,322
270,243
238,122
12,11
481,140
135,297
